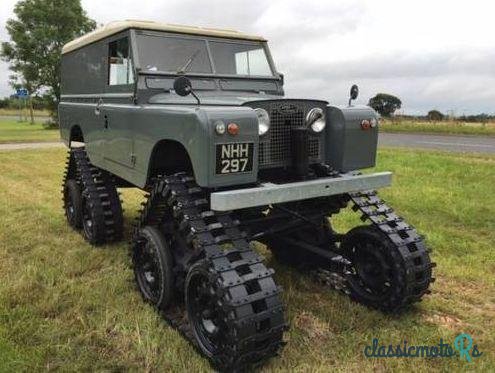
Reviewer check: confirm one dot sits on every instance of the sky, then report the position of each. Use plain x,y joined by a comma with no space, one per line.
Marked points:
432,54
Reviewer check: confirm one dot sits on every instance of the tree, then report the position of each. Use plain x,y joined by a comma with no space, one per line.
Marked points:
385,104
37,34
435,115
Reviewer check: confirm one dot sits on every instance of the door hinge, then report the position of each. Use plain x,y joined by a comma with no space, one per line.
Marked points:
133,159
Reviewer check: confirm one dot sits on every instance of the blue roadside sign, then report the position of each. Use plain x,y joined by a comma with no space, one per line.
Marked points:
22,93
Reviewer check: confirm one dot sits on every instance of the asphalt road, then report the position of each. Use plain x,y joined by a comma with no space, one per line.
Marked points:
476,144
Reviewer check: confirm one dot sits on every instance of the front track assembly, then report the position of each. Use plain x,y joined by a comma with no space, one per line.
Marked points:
232,310
386,264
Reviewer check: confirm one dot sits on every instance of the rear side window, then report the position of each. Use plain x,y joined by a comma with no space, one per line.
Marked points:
120,71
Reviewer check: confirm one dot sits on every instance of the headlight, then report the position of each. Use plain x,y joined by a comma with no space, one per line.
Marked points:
315,120
220,127
263,121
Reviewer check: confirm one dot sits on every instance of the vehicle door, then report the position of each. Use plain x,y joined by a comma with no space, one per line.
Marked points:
117,107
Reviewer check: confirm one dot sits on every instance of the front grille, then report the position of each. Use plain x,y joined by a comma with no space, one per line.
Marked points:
275,148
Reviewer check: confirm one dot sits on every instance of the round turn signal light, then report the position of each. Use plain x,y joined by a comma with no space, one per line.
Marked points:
365,124
233,129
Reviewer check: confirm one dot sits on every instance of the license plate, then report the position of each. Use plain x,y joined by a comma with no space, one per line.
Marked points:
234,158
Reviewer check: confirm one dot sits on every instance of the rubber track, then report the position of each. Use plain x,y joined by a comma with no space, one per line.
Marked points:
410,245
246,286
99,188
70,172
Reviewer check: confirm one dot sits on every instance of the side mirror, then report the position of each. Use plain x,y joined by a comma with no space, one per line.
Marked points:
282,78
354,93
182,86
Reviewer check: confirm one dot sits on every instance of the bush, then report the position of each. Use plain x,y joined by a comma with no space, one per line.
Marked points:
435,115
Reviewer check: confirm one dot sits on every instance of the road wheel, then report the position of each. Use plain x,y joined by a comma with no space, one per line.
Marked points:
153,266
378,274
73,203
90,221
207,314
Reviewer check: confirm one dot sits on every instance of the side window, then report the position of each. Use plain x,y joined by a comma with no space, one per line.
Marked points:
120,71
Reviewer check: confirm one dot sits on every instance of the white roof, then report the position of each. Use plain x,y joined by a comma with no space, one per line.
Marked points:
118,26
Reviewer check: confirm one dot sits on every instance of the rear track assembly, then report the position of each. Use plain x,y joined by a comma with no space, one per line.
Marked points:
100,195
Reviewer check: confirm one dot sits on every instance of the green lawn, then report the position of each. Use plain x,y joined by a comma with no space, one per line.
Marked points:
13,131
70,307
451,128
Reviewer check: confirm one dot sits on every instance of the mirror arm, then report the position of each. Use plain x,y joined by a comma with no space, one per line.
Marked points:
354,93
196,97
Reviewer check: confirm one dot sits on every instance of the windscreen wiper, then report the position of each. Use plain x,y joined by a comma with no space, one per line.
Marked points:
185,67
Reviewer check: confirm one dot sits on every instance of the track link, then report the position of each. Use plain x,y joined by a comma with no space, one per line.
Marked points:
98,187
244,286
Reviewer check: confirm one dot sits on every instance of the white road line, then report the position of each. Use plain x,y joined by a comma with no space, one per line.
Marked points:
34,145
455,143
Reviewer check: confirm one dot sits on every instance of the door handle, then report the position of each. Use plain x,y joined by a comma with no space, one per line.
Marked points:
97,108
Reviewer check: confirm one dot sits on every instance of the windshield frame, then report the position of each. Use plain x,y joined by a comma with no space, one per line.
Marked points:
140,71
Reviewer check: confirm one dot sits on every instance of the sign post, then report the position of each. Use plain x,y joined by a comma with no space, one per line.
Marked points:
22,95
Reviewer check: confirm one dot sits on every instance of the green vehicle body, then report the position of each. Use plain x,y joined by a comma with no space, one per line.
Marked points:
137,130
198,119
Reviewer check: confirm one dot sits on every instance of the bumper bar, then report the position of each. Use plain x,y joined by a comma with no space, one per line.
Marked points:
269,193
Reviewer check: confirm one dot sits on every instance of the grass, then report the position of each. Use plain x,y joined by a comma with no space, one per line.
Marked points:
70,307
13,131
445,127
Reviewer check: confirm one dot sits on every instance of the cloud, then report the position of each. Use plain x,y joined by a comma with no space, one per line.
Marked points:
430,54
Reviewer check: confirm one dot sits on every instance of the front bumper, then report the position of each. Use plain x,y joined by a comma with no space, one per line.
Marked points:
269,193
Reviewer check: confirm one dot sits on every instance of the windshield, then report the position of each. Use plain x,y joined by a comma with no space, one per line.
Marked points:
186,55
171,54
240,59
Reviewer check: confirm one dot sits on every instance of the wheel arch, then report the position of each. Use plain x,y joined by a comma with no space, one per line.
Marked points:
168,157
76,134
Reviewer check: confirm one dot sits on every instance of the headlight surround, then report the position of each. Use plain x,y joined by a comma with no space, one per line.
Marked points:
315,120
263,121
